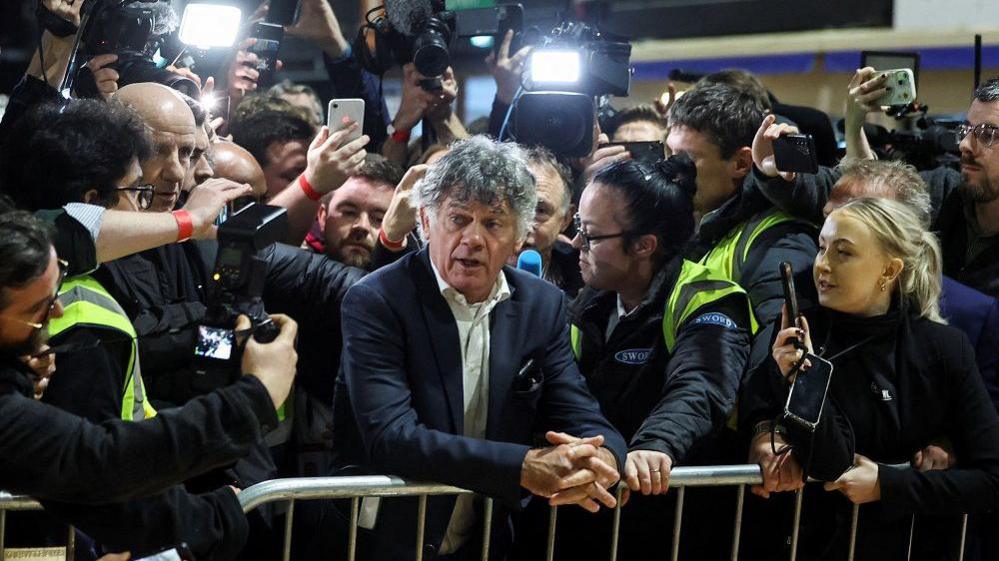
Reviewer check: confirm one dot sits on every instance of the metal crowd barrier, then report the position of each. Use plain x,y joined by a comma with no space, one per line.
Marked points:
354,488
357,487
20,502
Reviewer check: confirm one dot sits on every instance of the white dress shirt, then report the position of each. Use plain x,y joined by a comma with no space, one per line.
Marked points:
472,321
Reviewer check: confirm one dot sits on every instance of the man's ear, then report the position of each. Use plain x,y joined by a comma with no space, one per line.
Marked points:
567,219
90,196
425,223
741,163
321,218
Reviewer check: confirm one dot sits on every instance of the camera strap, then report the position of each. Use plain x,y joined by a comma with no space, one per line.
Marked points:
53,23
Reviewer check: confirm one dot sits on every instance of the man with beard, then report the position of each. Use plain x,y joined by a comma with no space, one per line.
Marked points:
349,218
965,204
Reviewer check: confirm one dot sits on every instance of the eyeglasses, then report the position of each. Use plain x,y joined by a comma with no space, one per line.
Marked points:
145,195
587,239
984,132
53,300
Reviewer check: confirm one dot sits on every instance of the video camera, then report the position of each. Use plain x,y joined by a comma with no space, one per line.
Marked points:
134,31
236,289
567,72
929,144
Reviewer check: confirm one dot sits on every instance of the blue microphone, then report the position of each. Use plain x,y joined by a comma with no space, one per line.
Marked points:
530,261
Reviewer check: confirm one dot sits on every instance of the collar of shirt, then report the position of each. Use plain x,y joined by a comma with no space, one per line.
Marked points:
499,293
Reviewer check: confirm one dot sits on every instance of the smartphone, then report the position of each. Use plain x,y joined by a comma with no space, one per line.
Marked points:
790,295
796,152
214,342
886,60
269,37
283,12
808,393
902,88
178,553
341,112
649,152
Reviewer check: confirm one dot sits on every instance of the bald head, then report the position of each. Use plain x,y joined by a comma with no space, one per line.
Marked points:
172,129
162,108
234,162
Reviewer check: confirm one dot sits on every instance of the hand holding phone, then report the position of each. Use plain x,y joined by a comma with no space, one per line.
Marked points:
795,153
342,112
649,152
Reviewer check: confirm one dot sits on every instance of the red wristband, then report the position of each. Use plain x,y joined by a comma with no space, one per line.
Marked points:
401,136
307,189
185,226
389,244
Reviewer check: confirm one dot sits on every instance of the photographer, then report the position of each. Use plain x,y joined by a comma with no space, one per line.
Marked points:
417,104
661,341
51,454
99,368
965,205
902,378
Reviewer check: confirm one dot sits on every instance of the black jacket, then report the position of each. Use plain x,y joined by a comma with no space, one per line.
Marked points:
91,384
51,454
809,193
659,400
911,382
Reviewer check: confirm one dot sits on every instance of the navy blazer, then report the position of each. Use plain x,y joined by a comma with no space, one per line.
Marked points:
401,381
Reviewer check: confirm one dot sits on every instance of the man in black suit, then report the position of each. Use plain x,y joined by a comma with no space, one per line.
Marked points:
454,364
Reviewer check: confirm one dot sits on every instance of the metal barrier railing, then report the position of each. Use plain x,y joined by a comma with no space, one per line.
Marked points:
10,502
357,487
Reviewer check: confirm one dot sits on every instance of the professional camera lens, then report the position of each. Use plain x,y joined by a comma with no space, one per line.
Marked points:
559,121
430,54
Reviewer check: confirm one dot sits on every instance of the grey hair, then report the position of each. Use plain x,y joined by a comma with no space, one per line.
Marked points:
479,169
898,179
988,92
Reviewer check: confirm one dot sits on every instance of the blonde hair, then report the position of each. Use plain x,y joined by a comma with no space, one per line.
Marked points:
901,233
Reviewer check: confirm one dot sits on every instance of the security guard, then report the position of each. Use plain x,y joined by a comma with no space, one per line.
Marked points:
661,341
95,331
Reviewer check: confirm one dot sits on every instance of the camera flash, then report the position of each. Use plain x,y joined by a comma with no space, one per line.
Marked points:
209,25
555,67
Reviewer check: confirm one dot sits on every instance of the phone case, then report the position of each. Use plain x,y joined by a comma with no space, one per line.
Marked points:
341,110
807,397
796,153
903,88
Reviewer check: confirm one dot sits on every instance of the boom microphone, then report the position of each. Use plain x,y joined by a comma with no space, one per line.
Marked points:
408,16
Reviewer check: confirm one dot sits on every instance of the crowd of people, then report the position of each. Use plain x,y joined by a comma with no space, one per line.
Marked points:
656,333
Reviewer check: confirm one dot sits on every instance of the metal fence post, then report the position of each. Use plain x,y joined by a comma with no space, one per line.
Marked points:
552,521
421,525
800,498
487,527
677,523
289,518
616,527
853,531
964,535
740,501
355,505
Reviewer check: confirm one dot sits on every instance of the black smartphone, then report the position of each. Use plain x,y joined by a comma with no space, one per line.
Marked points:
796,152
649,152
283,12
493,21
269,37
808,393
790,295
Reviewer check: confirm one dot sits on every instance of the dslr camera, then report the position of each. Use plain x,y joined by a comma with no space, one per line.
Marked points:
236,288
133,30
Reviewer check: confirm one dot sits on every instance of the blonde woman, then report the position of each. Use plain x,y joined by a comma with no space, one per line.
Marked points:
902,379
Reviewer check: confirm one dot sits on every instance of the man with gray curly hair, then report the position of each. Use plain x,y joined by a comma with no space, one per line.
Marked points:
452,362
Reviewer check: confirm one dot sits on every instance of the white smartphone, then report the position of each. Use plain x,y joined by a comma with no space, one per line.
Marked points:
903,87
343,111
